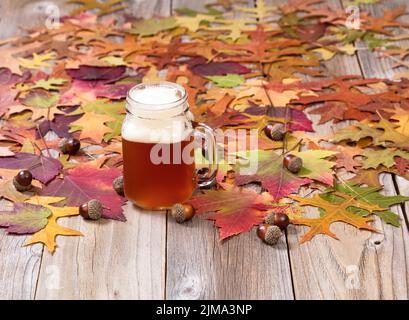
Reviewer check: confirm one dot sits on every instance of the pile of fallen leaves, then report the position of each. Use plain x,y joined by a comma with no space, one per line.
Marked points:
242,68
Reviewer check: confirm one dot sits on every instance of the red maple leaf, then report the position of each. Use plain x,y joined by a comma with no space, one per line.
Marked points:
87,182
234,211
402,165
270,172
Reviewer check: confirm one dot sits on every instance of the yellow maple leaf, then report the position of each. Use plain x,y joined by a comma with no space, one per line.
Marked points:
92,126
53,229
334,212
38,61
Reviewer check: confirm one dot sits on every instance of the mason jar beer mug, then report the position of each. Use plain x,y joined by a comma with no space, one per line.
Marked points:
159,137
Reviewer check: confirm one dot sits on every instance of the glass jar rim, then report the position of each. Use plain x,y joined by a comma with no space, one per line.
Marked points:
146,107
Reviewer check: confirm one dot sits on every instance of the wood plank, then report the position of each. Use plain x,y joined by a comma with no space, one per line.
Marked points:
19,266
114,260
357,266
373,66
19,14
198,5
199,266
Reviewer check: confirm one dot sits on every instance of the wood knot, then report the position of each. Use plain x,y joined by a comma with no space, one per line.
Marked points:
189,288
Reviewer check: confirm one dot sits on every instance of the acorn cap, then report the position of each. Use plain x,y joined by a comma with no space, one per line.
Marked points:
91,210
277,132
118,185
293,163
178,213
270,218
273,234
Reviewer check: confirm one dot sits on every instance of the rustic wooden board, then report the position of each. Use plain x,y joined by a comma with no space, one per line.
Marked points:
360,265
199,266
96,265
373,66
114,260
152,257
19,266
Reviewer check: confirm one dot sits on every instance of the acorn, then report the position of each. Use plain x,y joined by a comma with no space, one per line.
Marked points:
292,163
22,180
91,210
278,219
269,234
275,131
69,145
182,212
118,185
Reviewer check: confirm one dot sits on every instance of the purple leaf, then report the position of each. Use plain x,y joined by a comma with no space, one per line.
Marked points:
25,218
298,120
60,125
96,73
43,168
219,69
86,182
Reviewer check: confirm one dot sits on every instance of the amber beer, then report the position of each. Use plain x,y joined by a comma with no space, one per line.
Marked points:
156,186
158,118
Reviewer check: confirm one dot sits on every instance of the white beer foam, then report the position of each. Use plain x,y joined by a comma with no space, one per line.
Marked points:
155,115
156,96
156,131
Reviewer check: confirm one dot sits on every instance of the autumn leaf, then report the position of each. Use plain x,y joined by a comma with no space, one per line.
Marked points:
333,212
41,103
48,234
227,81
385,157
25,218
42,168
103,7
234,211
60,125
219,69
346,157
382,133
267,168
86,182
402,165
51,84
150,27
369,195
315,166
92,73
38,61
92,126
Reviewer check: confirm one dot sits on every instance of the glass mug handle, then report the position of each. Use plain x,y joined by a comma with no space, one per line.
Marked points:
204,131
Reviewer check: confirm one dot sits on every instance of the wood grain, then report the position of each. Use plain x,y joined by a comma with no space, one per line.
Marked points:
199,266
362,264
149,257
19,266
374,66
114,260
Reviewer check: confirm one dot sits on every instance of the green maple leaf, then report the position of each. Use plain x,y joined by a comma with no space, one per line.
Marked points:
41,99
50,84
368,195
25,218
358,2
150,27
375,158
227,81
103,106
315,166
116,127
